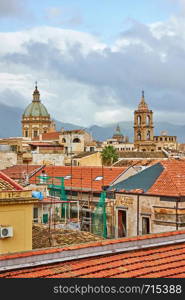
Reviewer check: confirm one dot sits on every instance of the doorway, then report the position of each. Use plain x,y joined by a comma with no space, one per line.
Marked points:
122,223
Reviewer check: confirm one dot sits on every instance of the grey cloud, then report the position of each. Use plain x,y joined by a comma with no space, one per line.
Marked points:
120,74
12,8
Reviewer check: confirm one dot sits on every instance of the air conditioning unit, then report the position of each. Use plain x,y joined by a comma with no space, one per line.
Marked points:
6,231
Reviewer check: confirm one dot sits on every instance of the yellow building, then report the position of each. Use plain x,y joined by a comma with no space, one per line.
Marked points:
91,159
16,215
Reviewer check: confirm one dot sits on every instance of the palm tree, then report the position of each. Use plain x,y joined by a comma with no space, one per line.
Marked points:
109,155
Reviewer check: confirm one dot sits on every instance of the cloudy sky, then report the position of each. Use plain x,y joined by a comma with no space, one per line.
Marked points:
92,58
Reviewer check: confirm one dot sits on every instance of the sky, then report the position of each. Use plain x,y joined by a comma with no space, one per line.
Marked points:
93,58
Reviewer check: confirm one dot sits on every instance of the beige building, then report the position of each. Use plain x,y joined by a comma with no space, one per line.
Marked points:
165,141
74,141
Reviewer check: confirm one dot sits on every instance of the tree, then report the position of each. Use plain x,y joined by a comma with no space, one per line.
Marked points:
109,155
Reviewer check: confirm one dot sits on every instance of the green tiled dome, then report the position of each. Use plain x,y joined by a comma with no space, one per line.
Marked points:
36,109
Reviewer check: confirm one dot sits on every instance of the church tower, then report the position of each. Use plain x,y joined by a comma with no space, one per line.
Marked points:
35,119
143,127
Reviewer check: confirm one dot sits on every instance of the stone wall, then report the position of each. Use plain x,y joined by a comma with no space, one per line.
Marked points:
7,159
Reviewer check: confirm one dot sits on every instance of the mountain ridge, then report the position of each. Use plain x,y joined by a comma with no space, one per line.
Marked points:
10,126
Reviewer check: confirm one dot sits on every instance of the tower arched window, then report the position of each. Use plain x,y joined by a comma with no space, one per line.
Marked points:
139,120
63,140
139,136
148,120
148,136
76,140
26,133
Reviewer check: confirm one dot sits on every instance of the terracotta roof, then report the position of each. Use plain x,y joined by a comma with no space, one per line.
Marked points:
79,131
160,261
51,135
17,172
166,178
141,154
172,179
82,177
6,183
41,144
136,162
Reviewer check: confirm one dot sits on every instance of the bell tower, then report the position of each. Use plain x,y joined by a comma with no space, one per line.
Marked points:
143,127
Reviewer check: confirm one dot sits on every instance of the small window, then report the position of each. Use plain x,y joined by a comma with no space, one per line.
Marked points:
145,225
26,133
98,178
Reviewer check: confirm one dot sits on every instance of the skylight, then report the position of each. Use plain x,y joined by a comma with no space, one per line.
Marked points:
98,178
67,177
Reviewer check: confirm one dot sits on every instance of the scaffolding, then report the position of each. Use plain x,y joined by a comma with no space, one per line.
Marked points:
95,220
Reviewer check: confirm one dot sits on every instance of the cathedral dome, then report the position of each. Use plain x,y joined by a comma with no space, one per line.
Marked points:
36,108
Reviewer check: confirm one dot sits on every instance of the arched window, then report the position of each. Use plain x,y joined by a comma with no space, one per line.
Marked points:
26,133
76,140
139,120
148,120
139,136
63,140
148,136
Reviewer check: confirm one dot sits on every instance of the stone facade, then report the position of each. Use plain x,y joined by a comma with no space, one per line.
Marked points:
142,214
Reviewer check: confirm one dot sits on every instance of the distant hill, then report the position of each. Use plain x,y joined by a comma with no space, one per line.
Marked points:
10,126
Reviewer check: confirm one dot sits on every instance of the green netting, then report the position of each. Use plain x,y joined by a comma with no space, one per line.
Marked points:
99,218
57,190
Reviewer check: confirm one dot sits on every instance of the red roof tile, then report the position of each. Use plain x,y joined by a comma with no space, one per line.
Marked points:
171,182
18,171
51,135
82,177
8,184
161,261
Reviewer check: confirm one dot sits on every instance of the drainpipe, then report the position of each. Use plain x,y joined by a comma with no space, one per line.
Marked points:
137,214
177,227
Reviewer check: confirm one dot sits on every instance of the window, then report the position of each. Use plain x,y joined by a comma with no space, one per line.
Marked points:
159,148
139,120
76,140
35,133
63,140
145,225
98,178
148,121
35,214
139,136
26,133
148,136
